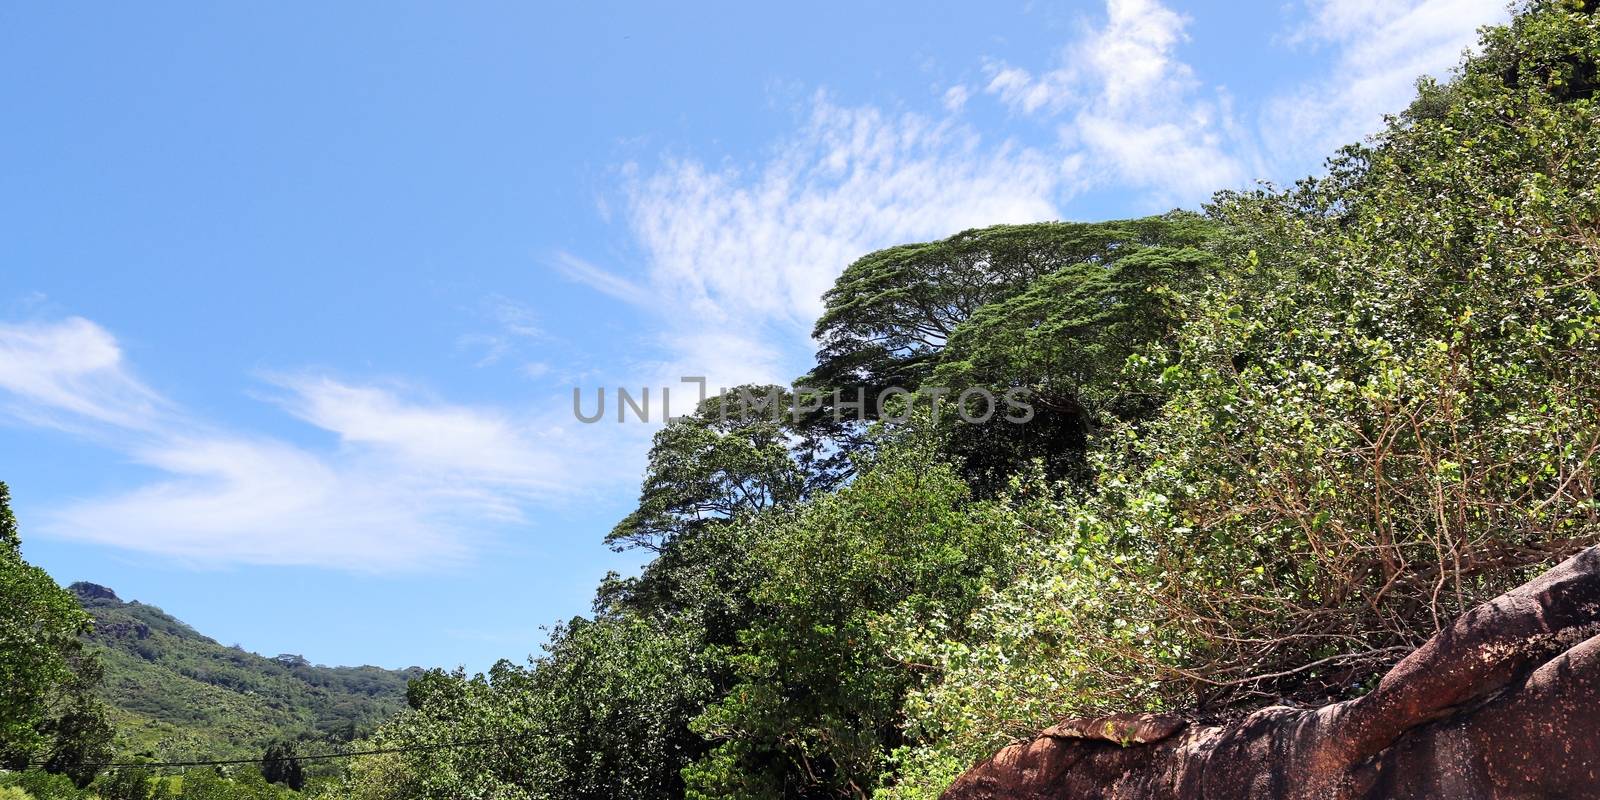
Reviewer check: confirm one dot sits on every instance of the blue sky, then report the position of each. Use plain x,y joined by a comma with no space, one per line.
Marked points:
293,297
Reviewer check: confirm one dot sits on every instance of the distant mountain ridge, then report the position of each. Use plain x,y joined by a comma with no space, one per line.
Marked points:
178,694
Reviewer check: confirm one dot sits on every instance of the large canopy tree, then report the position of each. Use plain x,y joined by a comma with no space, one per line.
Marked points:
1052,307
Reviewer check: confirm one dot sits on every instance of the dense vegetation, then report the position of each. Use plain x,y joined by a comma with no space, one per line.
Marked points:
246,782
1275,444
176,694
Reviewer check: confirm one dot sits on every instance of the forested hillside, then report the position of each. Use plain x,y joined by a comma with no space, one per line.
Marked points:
93,688
1274,446
176,694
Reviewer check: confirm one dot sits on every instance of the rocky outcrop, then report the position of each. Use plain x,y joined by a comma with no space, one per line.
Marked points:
87,591
1124,729
1504,704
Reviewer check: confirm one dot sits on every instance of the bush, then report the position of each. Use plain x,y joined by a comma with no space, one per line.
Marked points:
1385,412
41,785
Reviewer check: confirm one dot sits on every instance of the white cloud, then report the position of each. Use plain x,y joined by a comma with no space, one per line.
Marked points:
410,483
1381,48
71,372
1132,110
955,98
1132,58
581,271
232,500
1019,90
490,349
457,444
1185,159
1333,20
515,319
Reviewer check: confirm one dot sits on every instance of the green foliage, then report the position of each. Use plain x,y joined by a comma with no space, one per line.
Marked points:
1050,308
207,783
817,703
281,764
1391,413
893,311
10,536
204,783
81,729
1064,340
132,783
41,785
380,777
737,454
602,715
1382,413
47,713
177,694
145,783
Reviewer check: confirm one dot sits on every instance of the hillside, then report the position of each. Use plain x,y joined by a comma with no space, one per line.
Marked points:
176,693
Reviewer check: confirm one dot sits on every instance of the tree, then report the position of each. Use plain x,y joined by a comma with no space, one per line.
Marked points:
204,783
603,714
281,764
739,455
736,454
10,537
893,309
41,785
816,707
891,316
80,732
47,711
125,783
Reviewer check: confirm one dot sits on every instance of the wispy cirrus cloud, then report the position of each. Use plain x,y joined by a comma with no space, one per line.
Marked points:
581,271
409,483
458,444
70,374
769,237
225,500
740,255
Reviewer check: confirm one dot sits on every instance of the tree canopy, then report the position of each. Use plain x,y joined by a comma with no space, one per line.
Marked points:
1002,308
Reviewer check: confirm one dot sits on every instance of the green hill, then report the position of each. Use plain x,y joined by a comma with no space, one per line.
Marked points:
176,693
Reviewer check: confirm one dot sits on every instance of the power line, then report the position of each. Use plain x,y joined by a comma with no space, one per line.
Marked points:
221,762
